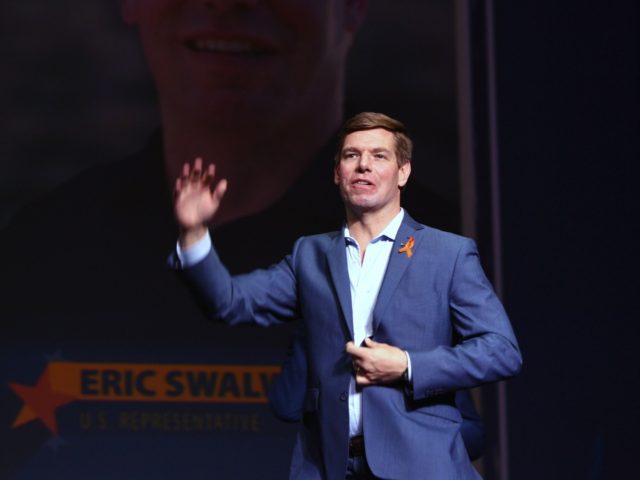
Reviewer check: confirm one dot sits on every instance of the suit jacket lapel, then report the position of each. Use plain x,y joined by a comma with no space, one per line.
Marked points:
337,260
398,264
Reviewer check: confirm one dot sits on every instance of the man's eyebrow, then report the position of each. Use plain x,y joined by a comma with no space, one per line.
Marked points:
356,149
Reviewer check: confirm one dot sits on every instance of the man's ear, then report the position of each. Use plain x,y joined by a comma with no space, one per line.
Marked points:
356,11
403,174
129,11
336,177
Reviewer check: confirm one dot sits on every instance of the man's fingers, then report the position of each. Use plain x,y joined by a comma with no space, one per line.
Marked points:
219,191
208,175
353,350
186,168
196,172
370,343
363,380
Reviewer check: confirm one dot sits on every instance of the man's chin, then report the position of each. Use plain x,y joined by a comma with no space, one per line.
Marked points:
362,207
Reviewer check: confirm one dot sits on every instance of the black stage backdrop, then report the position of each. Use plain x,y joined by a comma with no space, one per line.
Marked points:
107,367
568,116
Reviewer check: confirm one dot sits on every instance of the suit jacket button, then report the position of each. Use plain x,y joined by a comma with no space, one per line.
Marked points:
343,397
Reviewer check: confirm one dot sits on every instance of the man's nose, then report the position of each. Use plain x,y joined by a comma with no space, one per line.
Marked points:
364,162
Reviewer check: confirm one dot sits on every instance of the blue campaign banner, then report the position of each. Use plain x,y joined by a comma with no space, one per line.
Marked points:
126,411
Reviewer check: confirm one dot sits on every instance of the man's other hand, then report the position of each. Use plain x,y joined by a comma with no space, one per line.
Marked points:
377,362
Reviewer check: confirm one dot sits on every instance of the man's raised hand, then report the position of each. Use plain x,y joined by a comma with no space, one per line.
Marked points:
195,203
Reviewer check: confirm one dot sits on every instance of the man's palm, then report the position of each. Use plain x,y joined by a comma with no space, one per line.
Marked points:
195,203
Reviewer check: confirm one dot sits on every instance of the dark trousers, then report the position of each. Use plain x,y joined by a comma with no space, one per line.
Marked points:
358,468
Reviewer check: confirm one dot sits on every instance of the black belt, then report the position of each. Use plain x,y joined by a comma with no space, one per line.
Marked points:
356,446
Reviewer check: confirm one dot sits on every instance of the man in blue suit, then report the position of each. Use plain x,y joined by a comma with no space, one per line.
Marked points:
396,316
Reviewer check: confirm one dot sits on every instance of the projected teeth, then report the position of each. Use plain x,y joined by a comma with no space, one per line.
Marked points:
223,46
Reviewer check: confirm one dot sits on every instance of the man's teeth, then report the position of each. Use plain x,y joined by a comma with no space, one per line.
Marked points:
363,182
224,46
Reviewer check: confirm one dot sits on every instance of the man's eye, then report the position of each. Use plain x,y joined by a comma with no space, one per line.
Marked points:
381,156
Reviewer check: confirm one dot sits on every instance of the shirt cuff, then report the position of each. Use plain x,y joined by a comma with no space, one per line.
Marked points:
195,253
409,377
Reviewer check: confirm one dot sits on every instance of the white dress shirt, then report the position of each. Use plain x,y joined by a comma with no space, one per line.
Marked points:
365,279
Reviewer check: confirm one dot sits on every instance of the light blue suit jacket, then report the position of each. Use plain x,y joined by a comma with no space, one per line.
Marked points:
425,301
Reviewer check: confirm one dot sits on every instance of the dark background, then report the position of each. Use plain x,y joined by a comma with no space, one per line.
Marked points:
568,121
75,93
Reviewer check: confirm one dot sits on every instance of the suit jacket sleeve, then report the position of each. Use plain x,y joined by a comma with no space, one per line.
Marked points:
263,297
488,350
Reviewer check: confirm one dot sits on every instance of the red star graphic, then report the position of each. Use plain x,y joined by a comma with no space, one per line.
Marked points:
40,401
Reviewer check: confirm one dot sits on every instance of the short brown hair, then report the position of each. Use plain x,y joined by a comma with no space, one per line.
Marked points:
371,121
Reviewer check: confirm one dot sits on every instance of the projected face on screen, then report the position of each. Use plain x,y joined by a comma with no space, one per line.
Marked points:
244,58
260,88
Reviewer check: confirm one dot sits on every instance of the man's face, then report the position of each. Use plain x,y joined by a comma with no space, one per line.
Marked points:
238,58
367,172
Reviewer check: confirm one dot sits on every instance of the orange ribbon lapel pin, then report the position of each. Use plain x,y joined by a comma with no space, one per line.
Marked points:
407,247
